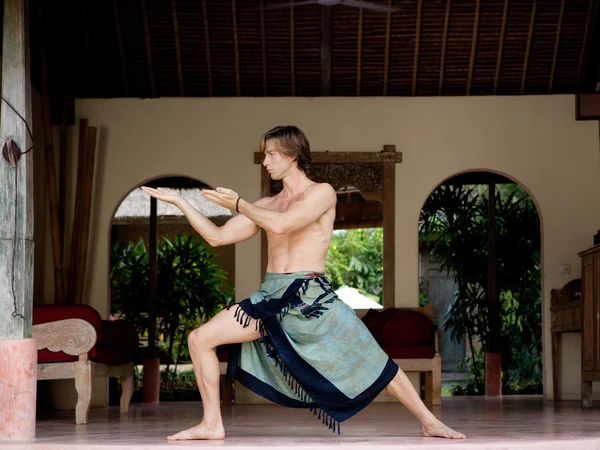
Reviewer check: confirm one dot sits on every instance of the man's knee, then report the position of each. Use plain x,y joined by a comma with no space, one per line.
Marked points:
198,339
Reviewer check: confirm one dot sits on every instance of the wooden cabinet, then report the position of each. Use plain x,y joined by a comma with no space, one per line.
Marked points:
590,333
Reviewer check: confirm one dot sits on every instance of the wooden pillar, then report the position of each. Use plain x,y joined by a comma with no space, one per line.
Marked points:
151,386
493,359
18,356
389,225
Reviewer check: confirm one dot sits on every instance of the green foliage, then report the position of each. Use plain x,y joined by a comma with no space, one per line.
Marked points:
192,288
355,258
454,222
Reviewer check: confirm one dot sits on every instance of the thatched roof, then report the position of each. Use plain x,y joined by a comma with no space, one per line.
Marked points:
137,205
205,48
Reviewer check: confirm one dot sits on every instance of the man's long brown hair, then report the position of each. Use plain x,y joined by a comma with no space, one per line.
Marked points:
292,142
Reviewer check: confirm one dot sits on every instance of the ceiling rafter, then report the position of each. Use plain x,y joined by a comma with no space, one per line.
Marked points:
263,47
474,42
90,49
386,62
561,15
148,49
417,47
326,31
359,52
236,50
177,46
444,46
501,46
591,15
207,42
121,51
292,48
529,43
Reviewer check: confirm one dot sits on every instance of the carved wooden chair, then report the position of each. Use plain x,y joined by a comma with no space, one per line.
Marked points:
74,342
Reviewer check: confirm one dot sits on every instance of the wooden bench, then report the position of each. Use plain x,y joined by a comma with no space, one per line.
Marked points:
74,342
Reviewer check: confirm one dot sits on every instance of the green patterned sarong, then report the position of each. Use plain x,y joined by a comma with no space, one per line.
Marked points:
314,352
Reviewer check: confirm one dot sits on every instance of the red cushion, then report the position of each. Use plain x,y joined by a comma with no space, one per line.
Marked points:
419,351
52,313
376,320
408,329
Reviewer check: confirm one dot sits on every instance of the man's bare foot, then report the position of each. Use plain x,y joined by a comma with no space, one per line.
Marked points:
438,429
201,431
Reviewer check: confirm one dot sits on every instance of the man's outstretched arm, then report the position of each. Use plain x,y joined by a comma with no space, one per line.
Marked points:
317,200
237,229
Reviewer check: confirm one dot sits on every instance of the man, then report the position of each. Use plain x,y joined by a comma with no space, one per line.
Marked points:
296,343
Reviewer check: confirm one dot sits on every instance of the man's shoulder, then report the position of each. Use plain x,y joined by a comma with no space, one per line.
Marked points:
320,189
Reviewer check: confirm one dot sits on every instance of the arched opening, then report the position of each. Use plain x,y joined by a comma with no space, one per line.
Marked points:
166,280
480,266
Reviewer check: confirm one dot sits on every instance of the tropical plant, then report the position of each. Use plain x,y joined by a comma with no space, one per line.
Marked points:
454,223
355,258
192,288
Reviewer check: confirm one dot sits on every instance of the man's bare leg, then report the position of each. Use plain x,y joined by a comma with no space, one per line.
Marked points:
401,388
220,330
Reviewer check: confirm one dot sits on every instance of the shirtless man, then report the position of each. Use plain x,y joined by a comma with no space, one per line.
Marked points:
299,223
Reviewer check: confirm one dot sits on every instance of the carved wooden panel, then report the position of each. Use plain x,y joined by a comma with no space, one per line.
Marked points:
72,336
366,177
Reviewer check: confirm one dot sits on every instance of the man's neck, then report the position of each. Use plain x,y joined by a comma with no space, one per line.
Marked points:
295,183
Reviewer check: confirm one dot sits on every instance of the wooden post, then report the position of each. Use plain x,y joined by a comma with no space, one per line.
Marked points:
18,356
389,225
493,359
86,211
151,379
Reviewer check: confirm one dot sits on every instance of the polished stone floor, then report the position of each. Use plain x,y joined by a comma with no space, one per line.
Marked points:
508,423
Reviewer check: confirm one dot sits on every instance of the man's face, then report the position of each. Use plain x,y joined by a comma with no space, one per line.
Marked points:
277,165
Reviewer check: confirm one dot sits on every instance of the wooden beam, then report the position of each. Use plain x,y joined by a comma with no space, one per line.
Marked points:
386,61
177,47
236,50
292,49
148,49
263,47
389,227
207,42
589,47
121,51
588,106
528,49
16,189
342,157
500,46
474,45
417,47
359,51
444,46
326,51
556,45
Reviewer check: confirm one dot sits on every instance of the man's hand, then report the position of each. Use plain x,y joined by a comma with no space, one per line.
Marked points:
166,195
222,197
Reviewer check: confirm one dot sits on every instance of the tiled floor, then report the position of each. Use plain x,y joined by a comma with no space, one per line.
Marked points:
510,423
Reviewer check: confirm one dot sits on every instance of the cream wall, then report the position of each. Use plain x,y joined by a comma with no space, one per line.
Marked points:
534,140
